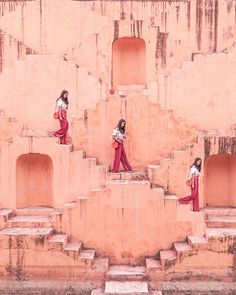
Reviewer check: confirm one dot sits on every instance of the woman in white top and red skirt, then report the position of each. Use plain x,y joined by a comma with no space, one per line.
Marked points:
61,108
193,181
120,155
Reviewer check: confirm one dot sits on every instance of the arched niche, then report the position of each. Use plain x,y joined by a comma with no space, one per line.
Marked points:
34,180
219,180
129,61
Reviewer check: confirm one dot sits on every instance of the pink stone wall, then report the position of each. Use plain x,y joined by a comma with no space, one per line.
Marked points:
173,33
151,131
190,85
131,221
203,91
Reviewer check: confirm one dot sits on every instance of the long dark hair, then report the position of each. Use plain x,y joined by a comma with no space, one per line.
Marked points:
66,101
121,129
199,167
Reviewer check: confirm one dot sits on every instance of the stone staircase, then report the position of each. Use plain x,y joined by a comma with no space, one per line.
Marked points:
221,225
39,227
167,258
34,226
97,171
14,50
126,279
220,237
163,174
220,217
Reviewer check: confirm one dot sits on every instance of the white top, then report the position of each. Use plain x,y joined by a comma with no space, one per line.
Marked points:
60,104
117,134
193,172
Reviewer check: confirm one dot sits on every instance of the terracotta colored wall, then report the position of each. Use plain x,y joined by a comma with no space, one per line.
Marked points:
151,132
34,181
30,89
202,91
131,221
171,38
172,31
127,214
128,220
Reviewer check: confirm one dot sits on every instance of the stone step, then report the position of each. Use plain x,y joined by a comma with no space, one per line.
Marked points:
87,256
216,233
19,231
182,249
29,221
221,221
220,211
5,214
221,240
134,175
91,160
98,291
70,205
34,132
153,264
127,182
35,211
98,191
199,287
198,242
126,272
153,166
73,249
171,197
131,90
126,288
58,242
141,183
168,257
65,147
170,200
20,237
83,197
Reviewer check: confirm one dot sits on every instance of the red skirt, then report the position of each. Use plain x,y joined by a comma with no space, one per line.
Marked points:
62,132
193,197
120,156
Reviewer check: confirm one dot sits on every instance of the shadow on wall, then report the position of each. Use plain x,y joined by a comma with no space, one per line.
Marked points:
219,182
34,180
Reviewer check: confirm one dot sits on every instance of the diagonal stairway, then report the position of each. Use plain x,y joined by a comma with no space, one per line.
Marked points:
34,226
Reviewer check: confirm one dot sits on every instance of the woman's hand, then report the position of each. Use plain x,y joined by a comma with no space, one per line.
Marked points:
118,140
60,116
192,186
